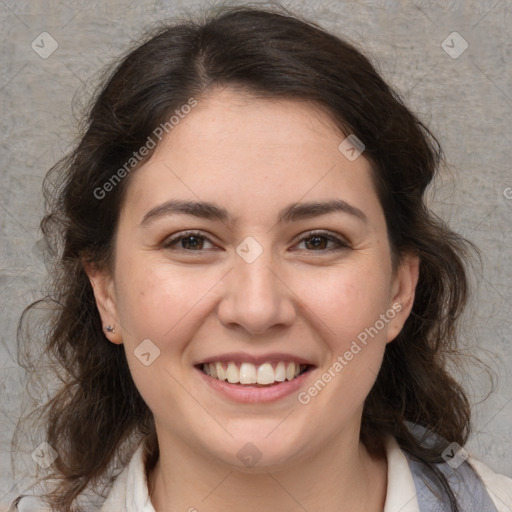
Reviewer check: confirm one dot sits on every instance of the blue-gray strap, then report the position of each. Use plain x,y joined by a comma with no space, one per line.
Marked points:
466,485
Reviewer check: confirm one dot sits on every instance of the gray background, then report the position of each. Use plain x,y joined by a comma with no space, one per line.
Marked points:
467,101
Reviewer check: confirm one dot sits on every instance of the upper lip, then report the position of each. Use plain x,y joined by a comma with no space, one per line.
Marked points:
242,357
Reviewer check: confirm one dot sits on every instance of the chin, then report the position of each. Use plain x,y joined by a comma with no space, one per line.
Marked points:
259,453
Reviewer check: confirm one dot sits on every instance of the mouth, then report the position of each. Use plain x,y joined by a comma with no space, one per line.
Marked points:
267,374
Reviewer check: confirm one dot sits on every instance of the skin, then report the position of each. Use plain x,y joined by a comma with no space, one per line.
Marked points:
254,157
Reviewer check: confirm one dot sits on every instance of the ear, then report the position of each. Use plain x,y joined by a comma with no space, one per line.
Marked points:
403,292
104,292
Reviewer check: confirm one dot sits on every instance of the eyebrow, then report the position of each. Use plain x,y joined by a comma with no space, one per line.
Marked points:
200,209
298,211
210,211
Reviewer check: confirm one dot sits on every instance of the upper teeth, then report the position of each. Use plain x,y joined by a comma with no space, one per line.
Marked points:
249,373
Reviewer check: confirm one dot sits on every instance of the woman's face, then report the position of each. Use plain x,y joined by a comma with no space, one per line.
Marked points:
252,242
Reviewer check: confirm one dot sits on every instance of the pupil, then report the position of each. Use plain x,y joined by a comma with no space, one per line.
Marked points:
193,241
318,242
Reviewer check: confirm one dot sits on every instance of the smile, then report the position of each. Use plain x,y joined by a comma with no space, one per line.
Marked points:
245,373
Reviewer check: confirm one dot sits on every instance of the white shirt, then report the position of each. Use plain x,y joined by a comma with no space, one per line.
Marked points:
130,490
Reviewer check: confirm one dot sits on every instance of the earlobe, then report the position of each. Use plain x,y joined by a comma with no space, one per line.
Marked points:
104,293
404,289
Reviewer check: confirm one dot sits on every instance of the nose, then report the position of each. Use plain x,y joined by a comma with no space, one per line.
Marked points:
256,298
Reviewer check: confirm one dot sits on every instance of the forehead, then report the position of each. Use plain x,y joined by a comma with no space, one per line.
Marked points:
227,118
244,151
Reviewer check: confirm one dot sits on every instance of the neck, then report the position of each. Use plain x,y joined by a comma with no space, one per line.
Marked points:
343,476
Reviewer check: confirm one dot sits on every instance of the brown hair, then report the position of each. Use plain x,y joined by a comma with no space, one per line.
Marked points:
276,55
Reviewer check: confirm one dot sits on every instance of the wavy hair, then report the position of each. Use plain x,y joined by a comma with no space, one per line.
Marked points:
270,53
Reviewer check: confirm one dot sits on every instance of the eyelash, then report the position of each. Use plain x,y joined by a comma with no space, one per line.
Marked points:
341,244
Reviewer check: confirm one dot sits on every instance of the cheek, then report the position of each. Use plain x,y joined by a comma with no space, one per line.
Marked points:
347,306
347,300
166,305
159,301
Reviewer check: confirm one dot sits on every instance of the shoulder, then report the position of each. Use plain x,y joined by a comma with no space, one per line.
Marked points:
29,504
473,482
129,492
498,486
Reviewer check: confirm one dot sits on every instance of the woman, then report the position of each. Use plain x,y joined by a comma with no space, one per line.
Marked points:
255,305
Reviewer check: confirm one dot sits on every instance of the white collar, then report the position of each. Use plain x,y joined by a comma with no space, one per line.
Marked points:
401,492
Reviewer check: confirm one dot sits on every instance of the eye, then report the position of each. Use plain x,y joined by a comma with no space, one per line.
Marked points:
189,241
318,241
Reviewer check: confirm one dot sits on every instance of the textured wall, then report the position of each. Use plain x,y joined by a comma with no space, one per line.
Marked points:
464,94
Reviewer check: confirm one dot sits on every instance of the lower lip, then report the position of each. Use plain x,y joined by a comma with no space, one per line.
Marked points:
248,394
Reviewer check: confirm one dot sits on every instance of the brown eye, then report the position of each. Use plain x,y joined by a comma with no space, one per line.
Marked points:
188,242
316,242
192,242
322,242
